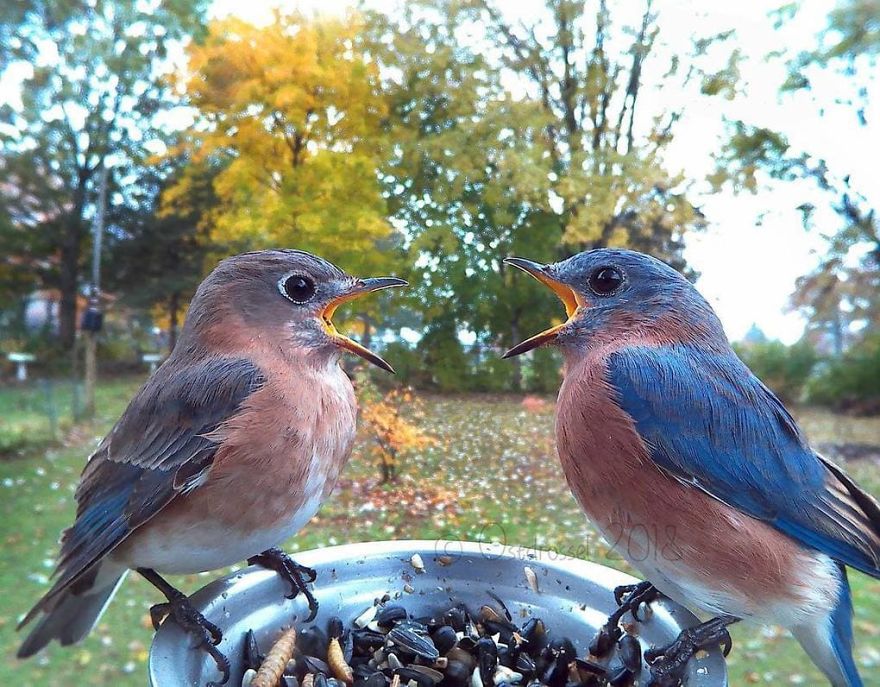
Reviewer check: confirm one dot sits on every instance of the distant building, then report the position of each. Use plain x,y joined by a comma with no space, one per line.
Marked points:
41,310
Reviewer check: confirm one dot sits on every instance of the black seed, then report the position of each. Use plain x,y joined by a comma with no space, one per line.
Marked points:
563,649
463,657
444,639
347,646
253,657
414,642
367,641
312,642
315,665
456,617
456,674
467,643
363,670
376,679
389,614
621,677
588,667
501,604
487,659
525,665
334,627
502,628
535,633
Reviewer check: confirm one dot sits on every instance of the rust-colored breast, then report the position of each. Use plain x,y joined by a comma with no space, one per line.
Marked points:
279,457
663,527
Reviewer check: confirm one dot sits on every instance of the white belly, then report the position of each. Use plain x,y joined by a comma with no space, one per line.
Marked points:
208,545
814,576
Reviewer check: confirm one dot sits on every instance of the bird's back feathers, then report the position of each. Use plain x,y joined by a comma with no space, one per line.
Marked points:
708,421
159,448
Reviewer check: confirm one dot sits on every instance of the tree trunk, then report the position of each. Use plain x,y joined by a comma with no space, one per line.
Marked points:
516,361
68,282
367,338
173,314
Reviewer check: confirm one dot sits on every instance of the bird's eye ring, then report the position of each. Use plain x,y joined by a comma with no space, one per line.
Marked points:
605,281
297,287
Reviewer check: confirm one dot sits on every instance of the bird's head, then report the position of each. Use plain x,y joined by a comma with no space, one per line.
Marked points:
289,295
613,295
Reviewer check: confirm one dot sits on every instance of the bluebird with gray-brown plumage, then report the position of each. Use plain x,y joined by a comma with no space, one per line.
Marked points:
694,471
225,452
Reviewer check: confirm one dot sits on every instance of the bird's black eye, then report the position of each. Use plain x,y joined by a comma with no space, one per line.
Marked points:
605,281
298,288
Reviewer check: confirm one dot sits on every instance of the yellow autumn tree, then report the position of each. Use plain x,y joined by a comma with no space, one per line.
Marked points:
291,113
392,422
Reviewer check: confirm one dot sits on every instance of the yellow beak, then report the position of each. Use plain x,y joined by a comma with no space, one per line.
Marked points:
572,300
361,288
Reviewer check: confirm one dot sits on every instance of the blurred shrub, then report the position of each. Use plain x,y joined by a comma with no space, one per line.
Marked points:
850,382
444,359
544,373
408,366
393,420
444,364
785,369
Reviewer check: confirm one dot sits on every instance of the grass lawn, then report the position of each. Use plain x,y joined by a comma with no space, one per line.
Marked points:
494,475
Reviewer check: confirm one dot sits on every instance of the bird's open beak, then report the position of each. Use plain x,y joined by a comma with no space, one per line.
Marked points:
360,288
572,300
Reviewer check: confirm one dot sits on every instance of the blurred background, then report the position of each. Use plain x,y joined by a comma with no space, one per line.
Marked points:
141,141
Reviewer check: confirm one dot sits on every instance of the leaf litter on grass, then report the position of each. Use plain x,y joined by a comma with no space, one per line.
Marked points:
493,476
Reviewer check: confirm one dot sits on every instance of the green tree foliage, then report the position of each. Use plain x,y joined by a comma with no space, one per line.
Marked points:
524,141
785,369
850,382
161,251
92,88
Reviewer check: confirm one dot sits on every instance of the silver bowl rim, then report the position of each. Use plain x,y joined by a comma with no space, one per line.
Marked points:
209,597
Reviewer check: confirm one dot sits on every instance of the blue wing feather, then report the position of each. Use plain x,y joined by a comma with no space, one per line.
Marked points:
708,420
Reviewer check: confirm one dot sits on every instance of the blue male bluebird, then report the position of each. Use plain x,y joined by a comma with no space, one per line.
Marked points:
225,452
693,470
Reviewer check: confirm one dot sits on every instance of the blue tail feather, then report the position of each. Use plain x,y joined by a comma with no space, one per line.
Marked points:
842,633
828,639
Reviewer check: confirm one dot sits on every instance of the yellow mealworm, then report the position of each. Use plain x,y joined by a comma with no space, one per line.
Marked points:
336,660
273,665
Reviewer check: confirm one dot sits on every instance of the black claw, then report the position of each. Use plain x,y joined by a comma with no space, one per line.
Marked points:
668,664
623,591
726,643
604,641
206,633
158,613
299,576
628,598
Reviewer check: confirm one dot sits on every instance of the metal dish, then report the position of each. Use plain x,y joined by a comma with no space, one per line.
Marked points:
574,598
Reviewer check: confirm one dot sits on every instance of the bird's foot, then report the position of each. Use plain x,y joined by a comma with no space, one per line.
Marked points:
629,598
668,664
207,634
299,576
